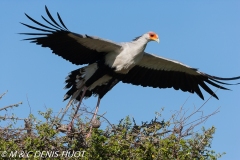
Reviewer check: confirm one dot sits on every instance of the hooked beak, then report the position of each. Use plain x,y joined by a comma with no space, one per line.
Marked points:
157,40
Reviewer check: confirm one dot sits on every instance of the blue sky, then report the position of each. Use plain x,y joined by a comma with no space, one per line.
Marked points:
203,35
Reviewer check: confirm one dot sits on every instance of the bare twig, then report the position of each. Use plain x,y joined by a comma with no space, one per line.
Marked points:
203,117
3,94
29,105
12,118
10,106
201,106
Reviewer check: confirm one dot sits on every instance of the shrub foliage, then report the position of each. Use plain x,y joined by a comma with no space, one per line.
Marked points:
154,140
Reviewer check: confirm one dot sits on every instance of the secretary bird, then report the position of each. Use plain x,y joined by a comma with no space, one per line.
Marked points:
108,63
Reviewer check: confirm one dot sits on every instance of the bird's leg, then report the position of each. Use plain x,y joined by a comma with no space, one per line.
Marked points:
96,110
68,105
78,106
94,117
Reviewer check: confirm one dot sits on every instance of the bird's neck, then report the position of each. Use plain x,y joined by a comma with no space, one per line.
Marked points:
140,43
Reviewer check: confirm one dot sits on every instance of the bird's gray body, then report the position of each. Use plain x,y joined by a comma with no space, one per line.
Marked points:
121,60
128,56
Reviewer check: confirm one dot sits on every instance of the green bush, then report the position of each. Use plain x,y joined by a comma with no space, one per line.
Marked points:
154,140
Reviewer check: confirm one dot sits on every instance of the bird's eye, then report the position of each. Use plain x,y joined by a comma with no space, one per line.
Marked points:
151,35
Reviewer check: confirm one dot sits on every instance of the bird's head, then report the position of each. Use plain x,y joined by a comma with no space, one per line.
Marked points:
152,37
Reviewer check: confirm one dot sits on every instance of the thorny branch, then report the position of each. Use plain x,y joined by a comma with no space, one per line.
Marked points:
10,106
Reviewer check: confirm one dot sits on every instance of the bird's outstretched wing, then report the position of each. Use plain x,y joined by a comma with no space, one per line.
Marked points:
158,72
76,48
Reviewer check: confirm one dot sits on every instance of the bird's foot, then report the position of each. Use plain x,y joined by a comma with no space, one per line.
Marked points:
70,125
95,123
